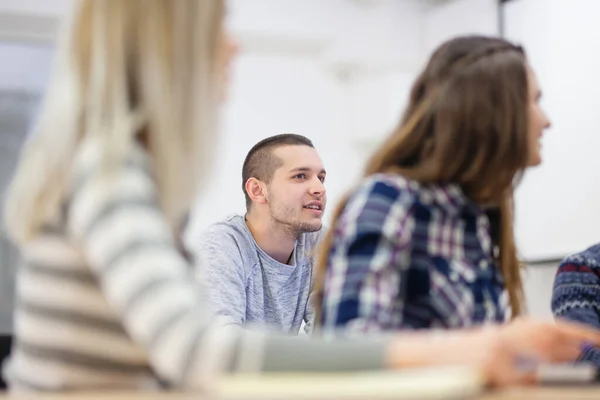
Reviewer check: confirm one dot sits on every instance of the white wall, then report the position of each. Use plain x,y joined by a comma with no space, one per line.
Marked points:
44,7
537,283
557,205
16,109
24,67
459,17
365,34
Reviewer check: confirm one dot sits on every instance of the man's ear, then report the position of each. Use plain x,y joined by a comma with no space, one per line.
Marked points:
257,191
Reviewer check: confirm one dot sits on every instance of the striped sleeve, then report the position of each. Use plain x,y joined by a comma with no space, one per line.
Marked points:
129,247
576,293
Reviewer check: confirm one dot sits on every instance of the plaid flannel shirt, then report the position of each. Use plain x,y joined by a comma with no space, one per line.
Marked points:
411,256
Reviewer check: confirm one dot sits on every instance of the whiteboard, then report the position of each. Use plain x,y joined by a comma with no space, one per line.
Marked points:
558,203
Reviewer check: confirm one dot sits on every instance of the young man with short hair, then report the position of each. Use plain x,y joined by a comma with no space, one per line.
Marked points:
258,267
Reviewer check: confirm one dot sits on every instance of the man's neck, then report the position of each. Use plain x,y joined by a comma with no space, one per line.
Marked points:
271,238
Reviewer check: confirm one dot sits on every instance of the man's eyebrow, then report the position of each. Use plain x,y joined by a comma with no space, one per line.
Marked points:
306,169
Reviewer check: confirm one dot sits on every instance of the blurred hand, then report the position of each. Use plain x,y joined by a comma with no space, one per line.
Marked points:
546,341
505,354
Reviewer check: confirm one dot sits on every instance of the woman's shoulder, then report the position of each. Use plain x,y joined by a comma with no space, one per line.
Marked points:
389,186
379,197
588,258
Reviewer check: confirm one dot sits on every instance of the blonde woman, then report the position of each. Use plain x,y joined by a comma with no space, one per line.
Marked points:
105,298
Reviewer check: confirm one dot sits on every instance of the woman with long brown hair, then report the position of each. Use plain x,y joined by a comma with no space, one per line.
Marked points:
426,239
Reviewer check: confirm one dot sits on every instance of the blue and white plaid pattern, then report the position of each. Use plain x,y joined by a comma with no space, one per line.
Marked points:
411,256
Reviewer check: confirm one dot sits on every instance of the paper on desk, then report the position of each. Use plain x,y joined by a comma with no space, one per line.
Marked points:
415,384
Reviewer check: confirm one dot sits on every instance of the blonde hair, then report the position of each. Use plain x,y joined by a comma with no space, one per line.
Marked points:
127,71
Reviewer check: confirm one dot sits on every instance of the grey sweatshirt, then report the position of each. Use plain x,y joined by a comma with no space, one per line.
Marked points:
246,286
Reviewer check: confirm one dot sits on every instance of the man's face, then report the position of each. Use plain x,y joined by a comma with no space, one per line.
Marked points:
296,194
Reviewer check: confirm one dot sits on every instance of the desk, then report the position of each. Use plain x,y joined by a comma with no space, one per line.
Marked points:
547,393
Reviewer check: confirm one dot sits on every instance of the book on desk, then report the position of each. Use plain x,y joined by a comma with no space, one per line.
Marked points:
420,384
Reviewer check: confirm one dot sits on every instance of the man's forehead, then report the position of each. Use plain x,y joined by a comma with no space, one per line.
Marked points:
295,152
298,157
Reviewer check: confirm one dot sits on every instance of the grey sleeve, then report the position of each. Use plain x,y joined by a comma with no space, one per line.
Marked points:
293,355
220,269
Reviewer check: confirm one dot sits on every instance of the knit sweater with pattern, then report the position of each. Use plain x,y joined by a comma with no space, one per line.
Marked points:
576,293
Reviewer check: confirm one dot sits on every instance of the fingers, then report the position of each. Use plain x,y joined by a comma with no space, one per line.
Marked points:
546,341
566,353
578,332
569,341
504,371
498,351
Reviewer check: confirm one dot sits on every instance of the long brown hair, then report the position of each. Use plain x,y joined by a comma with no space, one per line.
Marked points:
466,124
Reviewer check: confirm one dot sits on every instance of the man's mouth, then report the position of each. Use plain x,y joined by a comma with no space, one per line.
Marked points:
315,206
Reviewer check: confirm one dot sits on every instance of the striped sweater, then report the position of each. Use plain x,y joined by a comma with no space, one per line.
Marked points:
105,300
576,293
